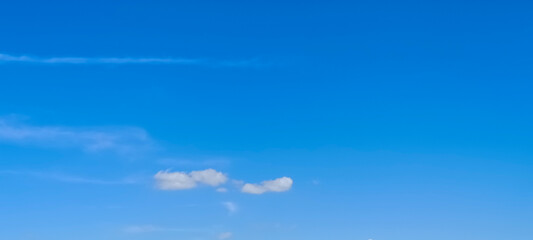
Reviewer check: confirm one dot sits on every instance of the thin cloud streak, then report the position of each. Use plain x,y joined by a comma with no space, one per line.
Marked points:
67,178
6,58
152,228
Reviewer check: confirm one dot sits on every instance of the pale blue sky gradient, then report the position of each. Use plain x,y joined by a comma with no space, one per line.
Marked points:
396,120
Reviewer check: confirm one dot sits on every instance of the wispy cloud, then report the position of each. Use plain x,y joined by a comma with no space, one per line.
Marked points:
225,235
67,178
231,207
152,228
222,190
7,58
196,163
123,140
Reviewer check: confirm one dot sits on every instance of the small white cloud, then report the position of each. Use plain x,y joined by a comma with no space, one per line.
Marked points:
225,235
231,207
277,185
174,180
181,180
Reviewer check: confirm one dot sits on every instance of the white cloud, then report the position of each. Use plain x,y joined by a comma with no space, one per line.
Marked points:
225,235
122,140
181,180
253,189
209,177
231,207
166,180
277,185
6,58
174,180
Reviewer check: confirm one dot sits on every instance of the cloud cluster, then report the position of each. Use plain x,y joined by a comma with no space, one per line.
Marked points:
117,139
122,140
277,185
167,180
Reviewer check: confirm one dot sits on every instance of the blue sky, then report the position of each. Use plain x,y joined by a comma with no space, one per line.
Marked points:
260,120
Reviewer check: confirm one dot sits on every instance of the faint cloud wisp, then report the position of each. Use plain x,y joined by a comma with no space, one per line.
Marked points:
68,178
122,140
231,207
225,235
137,229
7,58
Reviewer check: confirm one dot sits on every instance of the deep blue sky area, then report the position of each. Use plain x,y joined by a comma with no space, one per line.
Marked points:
404,120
